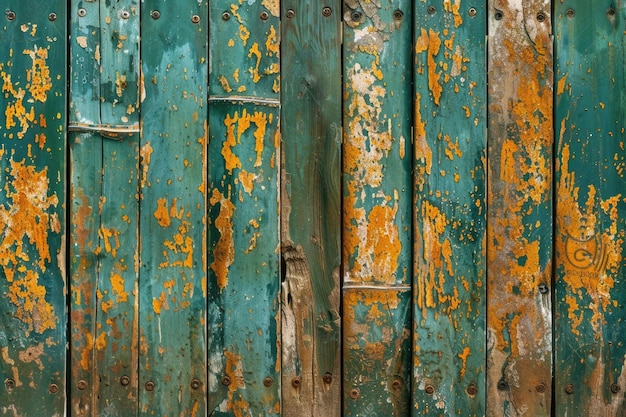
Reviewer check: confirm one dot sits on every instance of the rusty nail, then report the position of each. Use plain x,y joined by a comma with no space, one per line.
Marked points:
225,16
10,14
82,12
355,393
9,383
52,17
502,385
498,15
54,388
195,383
149,386
155,14
431,9
429,389
397,15
396,384
355,16
328,378
611,11
543,288
615,388
472,11
125,380
472,389
82,384
268,382
195,19
290,14
264,15
327,11
569,388
540,388
541,16
570,13
125,14
295,382
226,381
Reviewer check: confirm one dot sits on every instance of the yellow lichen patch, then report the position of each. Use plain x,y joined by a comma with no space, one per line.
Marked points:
178,250
162,213
254,50
272,46
224,82
235,372
454,9
231,160
273,6
145,154
247,180
39,81
117,286
110,237
243,123
224,251
430,43
160,303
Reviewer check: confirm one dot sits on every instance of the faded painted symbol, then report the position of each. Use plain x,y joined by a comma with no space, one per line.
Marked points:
586,253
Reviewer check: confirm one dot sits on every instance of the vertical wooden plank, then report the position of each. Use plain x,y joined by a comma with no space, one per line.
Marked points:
243,248
32,209
449,240
310,206
172,362
104,127
377,201
590,208
519,238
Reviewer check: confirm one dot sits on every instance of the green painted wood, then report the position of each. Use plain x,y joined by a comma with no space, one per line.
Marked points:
32,209
377,207
243,246
104,148
450,209
172,326
520,218
590,208
311,207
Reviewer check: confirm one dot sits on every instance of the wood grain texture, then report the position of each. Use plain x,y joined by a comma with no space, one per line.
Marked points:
310,207
450,210
590,208
519,233
33,318
377,207
172,326
243,212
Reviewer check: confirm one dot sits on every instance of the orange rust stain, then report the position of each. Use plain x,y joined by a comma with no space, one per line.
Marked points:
234,370
423,153
145,154
224,251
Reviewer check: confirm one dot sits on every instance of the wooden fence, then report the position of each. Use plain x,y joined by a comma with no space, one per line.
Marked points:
359,208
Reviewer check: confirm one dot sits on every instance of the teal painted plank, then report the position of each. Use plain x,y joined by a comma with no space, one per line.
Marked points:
311,207
377,201
32,209
590,208
520,219
172,348
450,209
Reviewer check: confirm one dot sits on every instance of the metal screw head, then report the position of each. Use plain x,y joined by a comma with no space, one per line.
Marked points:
82,384
541,388
429,389
398,15
125,14
290,14
502,385
615,388
498,15
541,17
82,12
327,11
53,388
125,380
195,19
295,382
195,383
10,14
355,393
52,17
472,11
570,13
543,288
264,15
149,386
431,9
396,384
472,389
226,381
610,12
328,378
225,16
268,382
155,14
356,16
9,383
569,388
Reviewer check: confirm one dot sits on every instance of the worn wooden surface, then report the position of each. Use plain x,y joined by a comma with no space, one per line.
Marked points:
243,212
173,94
32,209
449,238
590,208
519,238
377,206
310,207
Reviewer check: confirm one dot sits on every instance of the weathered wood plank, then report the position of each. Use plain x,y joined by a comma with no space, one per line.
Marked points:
172,347
377,201
32,209
590,208
243,245
310,207
449,239
519,238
